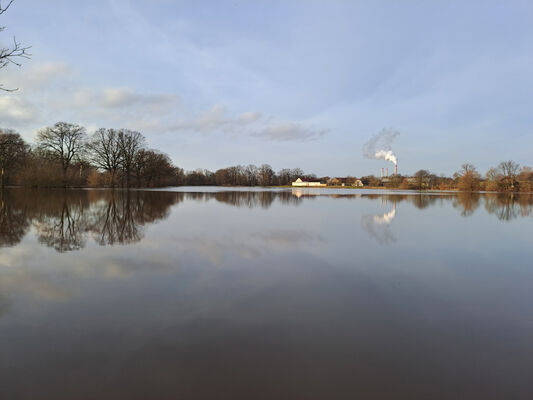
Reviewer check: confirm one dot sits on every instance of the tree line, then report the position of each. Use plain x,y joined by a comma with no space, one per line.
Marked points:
508,176
64,155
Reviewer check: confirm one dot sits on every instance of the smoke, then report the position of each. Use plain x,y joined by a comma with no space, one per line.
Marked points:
380,146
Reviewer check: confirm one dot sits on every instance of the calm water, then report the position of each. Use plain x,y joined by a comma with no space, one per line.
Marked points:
265,295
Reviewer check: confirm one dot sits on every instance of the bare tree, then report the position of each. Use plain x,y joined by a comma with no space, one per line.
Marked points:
266,175
422,177
251,175
62,143
467,178
11,54
13,149
130,143
105,151
509,171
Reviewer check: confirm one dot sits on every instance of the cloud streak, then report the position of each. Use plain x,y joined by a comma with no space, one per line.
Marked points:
250,123
54,91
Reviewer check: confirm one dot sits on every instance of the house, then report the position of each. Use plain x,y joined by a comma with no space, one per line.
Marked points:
306,183
336,182
348,181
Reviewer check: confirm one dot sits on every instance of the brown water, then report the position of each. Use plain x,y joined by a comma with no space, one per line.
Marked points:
301,294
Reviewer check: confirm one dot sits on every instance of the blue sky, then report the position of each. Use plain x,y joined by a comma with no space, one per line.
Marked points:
289,83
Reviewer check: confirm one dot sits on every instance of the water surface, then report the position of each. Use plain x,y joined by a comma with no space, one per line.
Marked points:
264,294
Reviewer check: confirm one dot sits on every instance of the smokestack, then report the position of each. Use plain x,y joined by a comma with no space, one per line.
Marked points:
396,169
382,172
387,172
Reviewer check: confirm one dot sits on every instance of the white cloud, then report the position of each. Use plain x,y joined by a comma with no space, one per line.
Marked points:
250,123
289,131
36,78
53,91
216,119
249,117
122,97
15,110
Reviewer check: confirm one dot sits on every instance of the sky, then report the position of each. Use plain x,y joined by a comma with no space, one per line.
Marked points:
289,83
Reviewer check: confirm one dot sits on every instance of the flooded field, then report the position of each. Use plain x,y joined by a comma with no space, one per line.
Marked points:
263,294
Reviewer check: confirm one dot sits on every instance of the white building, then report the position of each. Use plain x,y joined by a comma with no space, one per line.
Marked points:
300,183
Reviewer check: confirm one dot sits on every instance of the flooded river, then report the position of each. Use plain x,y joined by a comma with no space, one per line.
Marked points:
204,293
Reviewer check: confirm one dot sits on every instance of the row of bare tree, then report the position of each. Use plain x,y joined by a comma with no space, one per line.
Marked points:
508,176
240,175
64,155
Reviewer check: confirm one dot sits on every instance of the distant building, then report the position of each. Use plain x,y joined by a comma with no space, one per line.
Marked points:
349,181
305,183
336,182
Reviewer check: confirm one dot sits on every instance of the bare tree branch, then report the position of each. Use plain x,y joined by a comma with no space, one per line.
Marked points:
11,55
4,9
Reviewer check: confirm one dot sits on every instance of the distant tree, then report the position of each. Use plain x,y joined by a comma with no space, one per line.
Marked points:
371,180
509,168
153,169
493,177
62,143
221,176
13,150
509,171
422,177
251,172
13,53
104,151
467,178
130,143
266,175
525,179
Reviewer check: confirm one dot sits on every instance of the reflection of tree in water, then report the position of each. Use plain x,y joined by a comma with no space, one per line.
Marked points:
63,230
422,201
255,199
467,202
14,222
508,206
64,218
119,218
378,226
113,222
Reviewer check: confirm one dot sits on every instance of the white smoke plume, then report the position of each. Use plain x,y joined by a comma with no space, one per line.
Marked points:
380,146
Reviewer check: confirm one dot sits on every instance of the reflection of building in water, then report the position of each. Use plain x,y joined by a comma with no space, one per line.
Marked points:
378,226
306,192
315,192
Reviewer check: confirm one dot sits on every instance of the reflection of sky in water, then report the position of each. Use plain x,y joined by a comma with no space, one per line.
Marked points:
224,295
